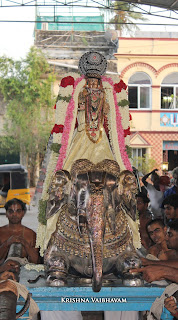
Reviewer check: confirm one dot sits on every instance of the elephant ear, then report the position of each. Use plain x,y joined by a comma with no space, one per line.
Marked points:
58,192
126,193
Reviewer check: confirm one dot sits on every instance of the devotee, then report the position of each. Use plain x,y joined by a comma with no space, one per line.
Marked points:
7,275
170,205
171,305
157,232
144,217
174,189
15,232
155,270
156,191
9,269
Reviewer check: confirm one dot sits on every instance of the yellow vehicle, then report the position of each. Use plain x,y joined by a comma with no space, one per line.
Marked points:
13,183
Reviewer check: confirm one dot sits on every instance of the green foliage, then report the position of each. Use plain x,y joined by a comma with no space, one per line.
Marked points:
42,211
7,144
123,103
67,99
129,151
55,147
124,13
26,88
144,164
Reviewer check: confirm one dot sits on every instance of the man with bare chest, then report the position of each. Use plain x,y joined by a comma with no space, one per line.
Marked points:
157,232
15,232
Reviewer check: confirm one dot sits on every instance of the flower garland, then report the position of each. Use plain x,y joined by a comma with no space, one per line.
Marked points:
69,122
65,120
124,111
117,136
32,266
41,234
71,114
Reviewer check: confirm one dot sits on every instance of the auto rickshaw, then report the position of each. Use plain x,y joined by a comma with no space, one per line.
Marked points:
13,183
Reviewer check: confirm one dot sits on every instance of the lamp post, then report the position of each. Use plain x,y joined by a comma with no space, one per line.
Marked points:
165,167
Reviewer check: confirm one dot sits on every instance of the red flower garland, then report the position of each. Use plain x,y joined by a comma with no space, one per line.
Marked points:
58,128
67,81
119,86
127,132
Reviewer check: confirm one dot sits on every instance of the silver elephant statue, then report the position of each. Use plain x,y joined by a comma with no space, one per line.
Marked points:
92,237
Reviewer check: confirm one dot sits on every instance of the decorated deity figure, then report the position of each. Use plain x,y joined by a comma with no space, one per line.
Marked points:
93,221
98,133
90,140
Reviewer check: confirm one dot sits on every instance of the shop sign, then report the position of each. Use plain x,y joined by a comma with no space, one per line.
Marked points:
170,145
169,119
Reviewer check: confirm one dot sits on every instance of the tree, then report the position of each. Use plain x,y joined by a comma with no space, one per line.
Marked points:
26,88
124,13
144,164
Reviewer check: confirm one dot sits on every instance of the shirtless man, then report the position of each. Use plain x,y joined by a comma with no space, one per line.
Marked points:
170,205
144,217
15,232
157,232
163,269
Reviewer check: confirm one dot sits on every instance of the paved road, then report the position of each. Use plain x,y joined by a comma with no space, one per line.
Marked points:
30,219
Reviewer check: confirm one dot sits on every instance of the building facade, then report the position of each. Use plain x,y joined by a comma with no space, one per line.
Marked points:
149,66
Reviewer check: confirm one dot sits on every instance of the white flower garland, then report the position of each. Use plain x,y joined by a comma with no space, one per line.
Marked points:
75,97
32,266
41,233
61,107
121,95
124,111
115,77
127,140
66,92
111,124
57,137
49,173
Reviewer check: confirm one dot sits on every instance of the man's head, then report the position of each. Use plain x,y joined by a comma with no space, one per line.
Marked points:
172,235
15,210
164,182
155,179
156,230
170,205
142,202
175,176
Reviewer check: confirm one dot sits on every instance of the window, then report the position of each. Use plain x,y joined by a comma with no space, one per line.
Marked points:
139,91
139,157
169,92
138,152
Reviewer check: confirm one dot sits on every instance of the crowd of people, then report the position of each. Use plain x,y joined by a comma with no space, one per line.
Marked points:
157,206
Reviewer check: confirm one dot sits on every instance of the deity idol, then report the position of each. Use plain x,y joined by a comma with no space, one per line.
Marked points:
91,222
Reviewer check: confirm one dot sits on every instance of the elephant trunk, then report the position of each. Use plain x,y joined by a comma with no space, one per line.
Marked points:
96,227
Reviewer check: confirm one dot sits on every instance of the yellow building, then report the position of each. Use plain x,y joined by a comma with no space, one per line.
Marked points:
149,66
